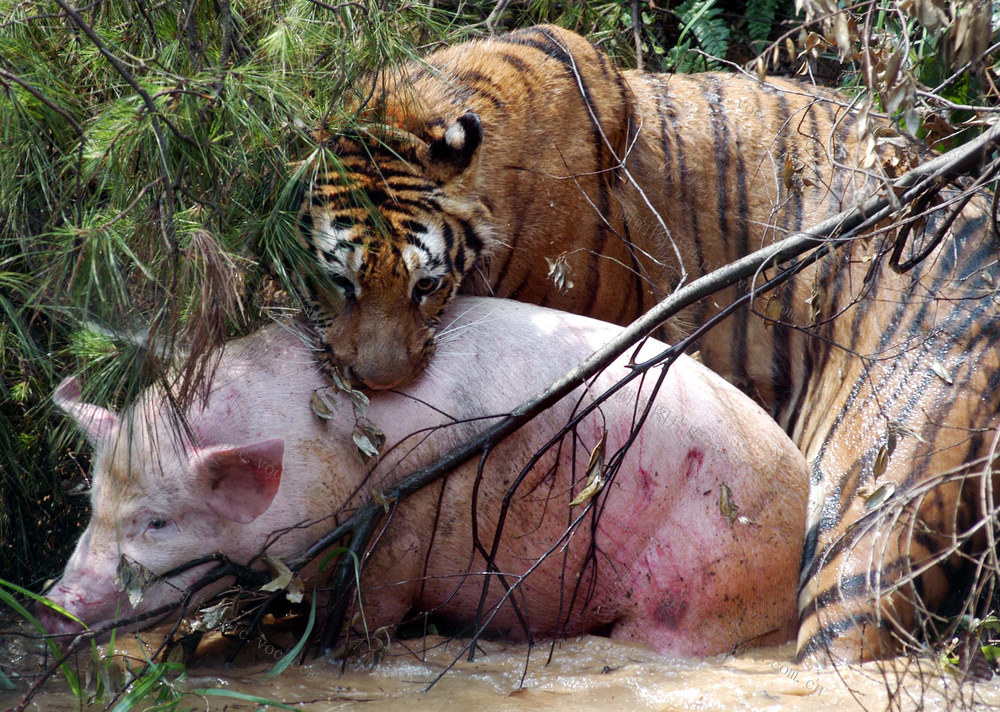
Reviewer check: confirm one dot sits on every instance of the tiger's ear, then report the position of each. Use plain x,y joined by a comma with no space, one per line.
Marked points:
453,153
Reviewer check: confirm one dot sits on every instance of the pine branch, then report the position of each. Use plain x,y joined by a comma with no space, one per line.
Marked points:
167,225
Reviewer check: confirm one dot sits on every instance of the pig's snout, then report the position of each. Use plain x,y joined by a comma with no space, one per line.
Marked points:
80,601
55,623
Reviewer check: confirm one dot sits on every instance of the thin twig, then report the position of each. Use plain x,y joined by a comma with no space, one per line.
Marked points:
496,14
637,34
226,18
49,16
335,8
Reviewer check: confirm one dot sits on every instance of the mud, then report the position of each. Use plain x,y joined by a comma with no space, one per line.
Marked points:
584,673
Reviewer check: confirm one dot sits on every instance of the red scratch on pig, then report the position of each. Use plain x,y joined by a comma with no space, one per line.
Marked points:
693,462
647,480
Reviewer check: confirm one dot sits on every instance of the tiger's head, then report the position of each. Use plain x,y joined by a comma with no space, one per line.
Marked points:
393,230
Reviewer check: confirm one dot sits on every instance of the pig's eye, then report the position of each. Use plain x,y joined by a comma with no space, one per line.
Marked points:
156,523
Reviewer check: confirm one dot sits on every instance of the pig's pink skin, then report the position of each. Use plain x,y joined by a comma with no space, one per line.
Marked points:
672,570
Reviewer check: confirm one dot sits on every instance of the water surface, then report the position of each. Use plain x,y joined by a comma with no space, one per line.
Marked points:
584,673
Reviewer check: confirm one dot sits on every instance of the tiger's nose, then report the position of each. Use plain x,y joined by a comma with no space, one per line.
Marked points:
378,379
381,384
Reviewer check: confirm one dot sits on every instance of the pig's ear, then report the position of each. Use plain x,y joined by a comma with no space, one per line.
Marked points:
95,422
239,483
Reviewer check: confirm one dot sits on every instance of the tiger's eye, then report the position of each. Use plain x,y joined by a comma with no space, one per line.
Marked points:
425,286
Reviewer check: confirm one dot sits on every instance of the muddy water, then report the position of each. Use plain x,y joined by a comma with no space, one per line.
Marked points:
584,673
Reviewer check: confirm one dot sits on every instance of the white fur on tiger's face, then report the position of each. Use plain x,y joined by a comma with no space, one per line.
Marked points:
394,246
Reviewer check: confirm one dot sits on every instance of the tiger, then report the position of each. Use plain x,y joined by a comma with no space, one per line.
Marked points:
527,166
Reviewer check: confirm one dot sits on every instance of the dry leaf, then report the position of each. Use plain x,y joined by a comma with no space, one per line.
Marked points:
378,497
815,301
941,372
789,175
727,506
863,114
284,580
814,45
937,128
902,95
595,474
559,273
772,311
876,496
133,578
368,438
968,37
339,382
911,118
358,398
891,70
929,13
881,461
870,152
295,591
322,403
282,574
843,34
212,617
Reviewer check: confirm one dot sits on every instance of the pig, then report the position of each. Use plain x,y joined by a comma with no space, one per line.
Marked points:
692,546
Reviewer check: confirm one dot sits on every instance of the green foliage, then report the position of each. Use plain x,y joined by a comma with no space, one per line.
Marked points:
293,654
760,16
705,28
151,686
154,685
72,679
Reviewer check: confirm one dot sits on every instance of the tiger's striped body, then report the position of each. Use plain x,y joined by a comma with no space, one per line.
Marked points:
622,172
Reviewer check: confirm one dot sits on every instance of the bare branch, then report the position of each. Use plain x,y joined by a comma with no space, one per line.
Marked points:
636,33
496,14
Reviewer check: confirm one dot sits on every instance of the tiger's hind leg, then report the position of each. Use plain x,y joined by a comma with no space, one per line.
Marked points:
898,437
877,587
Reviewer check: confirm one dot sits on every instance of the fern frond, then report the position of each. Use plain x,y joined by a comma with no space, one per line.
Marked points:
759,19
703,28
